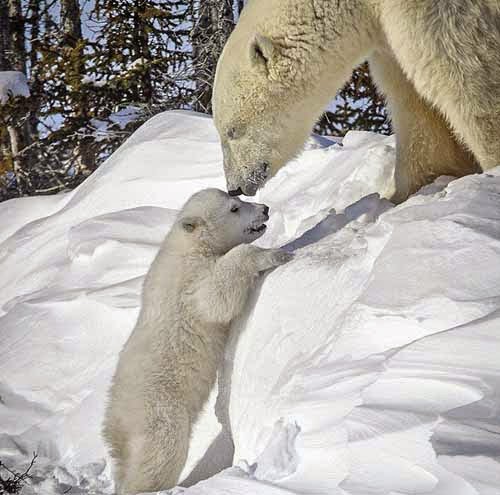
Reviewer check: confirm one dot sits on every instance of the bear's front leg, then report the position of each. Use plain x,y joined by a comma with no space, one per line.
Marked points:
223,295
265,259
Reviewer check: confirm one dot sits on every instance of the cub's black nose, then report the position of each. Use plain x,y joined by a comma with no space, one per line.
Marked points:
266,210
235,192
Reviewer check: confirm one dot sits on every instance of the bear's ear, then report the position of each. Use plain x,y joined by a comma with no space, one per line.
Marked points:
190,224
262,50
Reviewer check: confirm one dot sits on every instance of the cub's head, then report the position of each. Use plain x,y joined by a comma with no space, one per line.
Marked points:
214,217
262,107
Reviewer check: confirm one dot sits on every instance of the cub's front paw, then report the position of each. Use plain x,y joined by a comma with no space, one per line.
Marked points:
280,257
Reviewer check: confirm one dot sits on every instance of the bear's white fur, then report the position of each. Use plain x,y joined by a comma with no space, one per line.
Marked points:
198,283
437,61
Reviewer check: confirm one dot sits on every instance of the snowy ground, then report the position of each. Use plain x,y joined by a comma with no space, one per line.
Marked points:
368,365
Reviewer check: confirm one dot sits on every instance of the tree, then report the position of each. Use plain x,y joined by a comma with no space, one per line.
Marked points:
4,36
141,51
17,46
73,47
358,106
14,136
213,22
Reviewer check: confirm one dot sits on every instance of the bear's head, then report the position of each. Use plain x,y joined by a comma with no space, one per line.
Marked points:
213,217
254,112
265,99
278,71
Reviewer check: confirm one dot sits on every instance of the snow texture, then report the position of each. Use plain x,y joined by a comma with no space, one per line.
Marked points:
368,365
13,83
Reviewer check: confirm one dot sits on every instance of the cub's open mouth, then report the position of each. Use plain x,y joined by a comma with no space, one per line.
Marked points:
259,228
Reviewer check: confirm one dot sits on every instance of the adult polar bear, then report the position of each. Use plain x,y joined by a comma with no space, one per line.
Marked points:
438,63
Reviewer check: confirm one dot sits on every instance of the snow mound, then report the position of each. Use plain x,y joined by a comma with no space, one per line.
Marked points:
367,365
12,83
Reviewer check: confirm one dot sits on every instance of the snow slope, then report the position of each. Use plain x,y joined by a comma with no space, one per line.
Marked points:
368,365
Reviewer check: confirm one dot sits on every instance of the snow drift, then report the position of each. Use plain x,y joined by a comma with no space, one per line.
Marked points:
369,364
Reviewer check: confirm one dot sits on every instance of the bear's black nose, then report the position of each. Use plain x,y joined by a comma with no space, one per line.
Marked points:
266,210
235,192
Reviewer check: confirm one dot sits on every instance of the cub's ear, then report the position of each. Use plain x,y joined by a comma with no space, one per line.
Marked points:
190,224
262,50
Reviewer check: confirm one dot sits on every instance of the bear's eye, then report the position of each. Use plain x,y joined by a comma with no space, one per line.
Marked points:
234,209
231,133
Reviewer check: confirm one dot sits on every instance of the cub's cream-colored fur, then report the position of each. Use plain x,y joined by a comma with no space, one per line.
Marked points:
198,283
437,62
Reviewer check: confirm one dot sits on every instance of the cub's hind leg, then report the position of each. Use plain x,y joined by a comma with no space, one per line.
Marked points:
155,457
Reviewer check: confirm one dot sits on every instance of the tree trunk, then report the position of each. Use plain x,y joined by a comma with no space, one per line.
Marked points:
70,21
17,47
73,45
13,57
145,88
34,24
4,65
4,37
15,148
214,21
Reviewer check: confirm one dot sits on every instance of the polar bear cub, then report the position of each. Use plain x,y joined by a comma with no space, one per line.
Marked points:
198,283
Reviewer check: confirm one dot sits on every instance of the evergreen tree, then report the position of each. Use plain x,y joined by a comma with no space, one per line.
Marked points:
358,106
141,52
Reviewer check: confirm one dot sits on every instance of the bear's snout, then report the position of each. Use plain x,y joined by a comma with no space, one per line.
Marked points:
235,192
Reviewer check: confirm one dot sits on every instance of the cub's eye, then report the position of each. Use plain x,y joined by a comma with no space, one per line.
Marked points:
234,209
231,133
